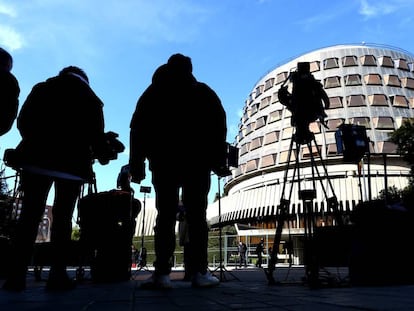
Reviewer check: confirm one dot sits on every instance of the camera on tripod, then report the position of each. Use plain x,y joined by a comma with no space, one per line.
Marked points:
307,102
352,141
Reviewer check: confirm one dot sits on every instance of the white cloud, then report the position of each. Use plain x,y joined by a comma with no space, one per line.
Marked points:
10,39
7,10
379,8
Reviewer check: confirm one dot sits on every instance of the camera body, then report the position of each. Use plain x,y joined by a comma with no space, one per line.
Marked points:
232,160
107,148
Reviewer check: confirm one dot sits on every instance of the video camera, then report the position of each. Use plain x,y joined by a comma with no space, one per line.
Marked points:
107,148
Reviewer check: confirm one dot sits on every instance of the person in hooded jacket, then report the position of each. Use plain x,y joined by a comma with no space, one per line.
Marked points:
179,126
61,122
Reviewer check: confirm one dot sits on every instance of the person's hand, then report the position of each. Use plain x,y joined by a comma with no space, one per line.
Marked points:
137,171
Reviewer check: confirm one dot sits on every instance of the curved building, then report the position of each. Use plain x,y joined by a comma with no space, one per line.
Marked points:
367,85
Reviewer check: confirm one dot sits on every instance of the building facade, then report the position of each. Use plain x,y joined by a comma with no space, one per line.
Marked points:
367,85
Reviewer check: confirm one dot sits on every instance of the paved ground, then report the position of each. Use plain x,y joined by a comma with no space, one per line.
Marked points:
240,289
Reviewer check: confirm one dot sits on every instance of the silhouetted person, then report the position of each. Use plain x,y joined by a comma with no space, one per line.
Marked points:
242,248
134,255
259,253
179,125
124,180
9,92
60,122
124,184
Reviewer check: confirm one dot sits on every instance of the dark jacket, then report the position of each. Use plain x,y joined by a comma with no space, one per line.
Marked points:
60,122
9,100
179,125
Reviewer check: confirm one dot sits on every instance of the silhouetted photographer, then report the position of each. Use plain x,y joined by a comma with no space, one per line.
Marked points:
61,123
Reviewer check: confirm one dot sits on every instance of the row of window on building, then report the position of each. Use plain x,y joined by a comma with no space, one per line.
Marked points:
269,160
353,79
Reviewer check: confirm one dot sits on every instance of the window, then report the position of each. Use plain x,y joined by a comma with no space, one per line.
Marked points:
287,133
244,148
332,82
407,82
283,156
411,102
353,79
363,121
386,147
281,77
314,127
260,122
384,123
256,143
386,61
264,102
392,80
252,165
250,127
368,60
330,63
334,123
268,160
275,116
271,137
241,133
306,153
314,66
355,100
399,101
254,109
335,102
269,83
349,61
245,117
377,100
259,90
275,98
373,79
250,99
402,64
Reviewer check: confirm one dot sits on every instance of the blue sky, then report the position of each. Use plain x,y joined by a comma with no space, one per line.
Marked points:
233,43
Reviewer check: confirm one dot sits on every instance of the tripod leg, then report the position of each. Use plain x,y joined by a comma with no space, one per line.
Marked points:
281,215
221,267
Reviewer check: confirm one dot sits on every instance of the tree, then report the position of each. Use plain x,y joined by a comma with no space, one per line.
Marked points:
4,189
403,137
6,206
